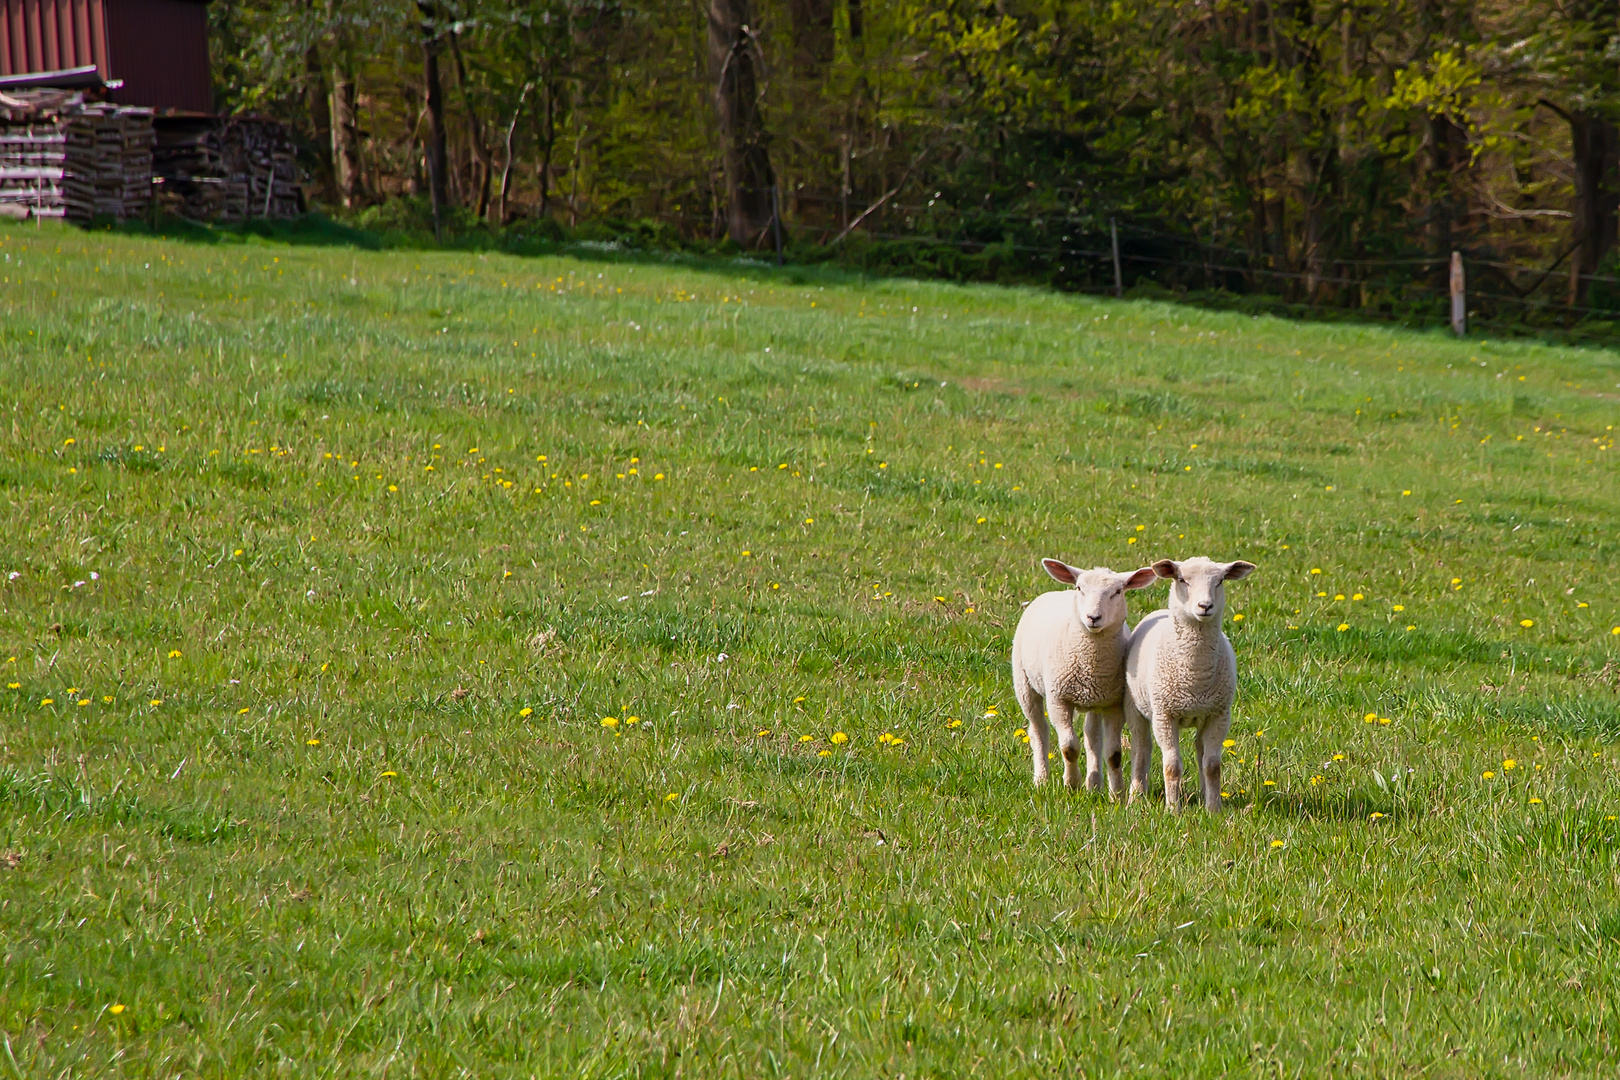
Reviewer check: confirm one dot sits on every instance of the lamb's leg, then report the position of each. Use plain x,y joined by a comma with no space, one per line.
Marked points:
1035,717
1095,740
1068,745
1141,748
1214,734
1113,719
1168,736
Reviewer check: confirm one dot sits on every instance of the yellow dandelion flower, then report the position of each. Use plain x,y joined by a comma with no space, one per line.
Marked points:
115,1009
1375,815
390,772
47,701
13,686
83,702
807,738
525,712
1270,783
610,721
1370,717
632,719
762,732
1487,775
1229,743
1527,623
838,738
953,724
241,712
1316,569
824,753
1357,596
672,797
1509,765
1276,843
1398,607
1338,596
1238,617
1535,802
155,702
1383,720
312,742
174,654
1343,627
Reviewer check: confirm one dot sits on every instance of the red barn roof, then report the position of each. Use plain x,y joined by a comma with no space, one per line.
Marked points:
158,49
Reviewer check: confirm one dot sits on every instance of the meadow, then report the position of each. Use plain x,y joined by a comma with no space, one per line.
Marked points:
428,663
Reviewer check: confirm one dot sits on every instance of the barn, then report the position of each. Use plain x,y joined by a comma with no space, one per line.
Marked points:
152,53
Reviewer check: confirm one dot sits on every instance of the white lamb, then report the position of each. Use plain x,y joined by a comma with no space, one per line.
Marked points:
1181,672
1068,654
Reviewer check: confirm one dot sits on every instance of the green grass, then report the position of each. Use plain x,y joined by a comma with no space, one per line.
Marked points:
339,798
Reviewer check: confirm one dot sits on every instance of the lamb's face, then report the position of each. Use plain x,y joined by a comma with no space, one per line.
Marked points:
1099,599
1099,594
1198,586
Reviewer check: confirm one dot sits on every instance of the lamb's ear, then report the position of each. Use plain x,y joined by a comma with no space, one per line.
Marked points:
1061,571
1142,578
1239,570
1168,568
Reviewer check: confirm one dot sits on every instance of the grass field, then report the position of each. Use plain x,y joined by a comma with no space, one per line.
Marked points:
427,664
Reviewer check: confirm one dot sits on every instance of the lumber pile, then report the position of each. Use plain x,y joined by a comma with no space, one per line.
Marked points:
226,168
63,157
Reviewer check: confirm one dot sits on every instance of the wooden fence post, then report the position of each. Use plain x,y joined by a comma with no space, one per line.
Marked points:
1119,279
1459,296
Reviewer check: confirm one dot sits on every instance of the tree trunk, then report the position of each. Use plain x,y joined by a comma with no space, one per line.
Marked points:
1596,148
737,66
812,37
475,129
320,116
433,88
345,137
548,142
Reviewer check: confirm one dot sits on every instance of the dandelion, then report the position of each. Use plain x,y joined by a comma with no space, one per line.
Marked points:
953,725
525,712
115,1009
312,742
1276,843
174,654
746,554
241,712
632,720
1238,617
13,686
886,737
809,521
1487,775
610,721
1317,779
1411,627
988,713
807,738
1374,816
1408,491
1527,623
47,701
1398,607
83,702
941,599
1338,757
981,521
1343,627
1316,569
1338,596
672,797
1370,717
658,476
238,551
824,753
1535,802
1383,720
1509,765
1456,581
155,702
1270,783
1131,540
838,738
798,699
1357,596
389,773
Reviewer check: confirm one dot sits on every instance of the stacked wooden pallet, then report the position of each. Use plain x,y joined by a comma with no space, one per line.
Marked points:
226,168
62,157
